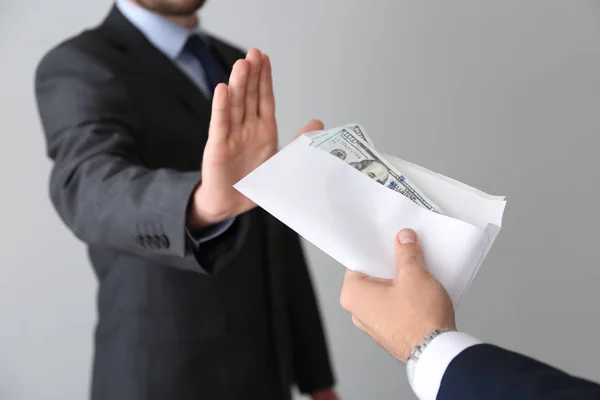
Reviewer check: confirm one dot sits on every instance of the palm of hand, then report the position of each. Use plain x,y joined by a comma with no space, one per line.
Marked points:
245,149
228,162
242,135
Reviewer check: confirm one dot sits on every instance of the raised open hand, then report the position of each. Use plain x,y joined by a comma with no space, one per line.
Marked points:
242,135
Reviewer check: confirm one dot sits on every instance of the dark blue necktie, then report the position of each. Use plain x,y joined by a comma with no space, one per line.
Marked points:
213,71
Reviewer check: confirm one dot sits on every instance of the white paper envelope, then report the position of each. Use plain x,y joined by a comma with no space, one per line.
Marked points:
355,219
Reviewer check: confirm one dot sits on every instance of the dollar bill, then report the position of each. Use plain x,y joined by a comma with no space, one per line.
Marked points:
357,129
351,144
360,131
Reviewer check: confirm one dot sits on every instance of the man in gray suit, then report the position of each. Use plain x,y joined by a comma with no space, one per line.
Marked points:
202,295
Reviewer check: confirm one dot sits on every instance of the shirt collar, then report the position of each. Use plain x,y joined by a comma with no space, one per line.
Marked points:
165,35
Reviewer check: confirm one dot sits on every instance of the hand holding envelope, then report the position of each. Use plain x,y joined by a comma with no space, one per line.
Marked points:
353,217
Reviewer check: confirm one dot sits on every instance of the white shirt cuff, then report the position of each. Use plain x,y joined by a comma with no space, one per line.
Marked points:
437,356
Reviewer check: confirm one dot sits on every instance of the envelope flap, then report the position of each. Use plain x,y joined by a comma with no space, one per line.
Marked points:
457,199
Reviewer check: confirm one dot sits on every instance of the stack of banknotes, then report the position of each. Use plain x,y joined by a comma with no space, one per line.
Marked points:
352,144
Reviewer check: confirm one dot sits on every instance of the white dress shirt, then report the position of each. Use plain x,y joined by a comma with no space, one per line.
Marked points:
434,361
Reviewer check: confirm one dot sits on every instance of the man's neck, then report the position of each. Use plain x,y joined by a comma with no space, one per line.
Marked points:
186,21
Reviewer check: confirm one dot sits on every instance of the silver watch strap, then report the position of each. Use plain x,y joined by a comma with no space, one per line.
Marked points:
418,350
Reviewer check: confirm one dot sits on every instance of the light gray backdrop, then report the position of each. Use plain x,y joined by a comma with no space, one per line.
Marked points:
502,95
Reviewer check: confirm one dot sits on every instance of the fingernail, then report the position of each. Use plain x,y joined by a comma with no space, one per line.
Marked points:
406,236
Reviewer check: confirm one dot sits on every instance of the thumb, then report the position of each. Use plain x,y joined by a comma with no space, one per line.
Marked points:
409,253
313,125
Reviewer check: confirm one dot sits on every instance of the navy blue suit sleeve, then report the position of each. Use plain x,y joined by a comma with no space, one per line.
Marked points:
489,372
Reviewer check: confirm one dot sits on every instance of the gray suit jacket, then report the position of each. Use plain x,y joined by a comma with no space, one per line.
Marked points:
126,131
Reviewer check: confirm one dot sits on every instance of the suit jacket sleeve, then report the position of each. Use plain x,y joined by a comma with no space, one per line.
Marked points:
311,363
98,184
489,372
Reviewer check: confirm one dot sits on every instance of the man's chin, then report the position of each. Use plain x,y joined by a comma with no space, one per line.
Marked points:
172,8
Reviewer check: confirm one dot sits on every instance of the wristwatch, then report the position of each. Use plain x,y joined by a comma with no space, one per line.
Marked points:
411,364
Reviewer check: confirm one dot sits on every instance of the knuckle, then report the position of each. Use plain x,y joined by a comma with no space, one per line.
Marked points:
346,299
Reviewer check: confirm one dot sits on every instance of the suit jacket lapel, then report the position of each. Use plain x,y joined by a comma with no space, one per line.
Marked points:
156,65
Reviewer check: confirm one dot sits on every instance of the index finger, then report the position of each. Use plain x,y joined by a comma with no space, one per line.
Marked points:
266,98
355,275
358,286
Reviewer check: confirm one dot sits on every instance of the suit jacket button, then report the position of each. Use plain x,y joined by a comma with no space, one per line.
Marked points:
164,241
157,242
149,242
140,241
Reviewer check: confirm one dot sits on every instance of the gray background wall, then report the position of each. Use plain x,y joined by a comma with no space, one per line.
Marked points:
502,95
